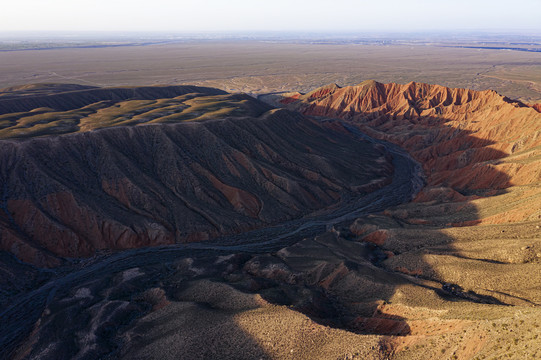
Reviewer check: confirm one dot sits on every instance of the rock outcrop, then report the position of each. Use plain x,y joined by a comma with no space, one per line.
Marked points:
465,139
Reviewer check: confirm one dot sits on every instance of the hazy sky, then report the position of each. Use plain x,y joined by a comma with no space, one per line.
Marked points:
276,15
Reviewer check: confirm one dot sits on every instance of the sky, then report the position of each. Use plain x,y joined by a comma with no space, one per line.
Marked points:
275,15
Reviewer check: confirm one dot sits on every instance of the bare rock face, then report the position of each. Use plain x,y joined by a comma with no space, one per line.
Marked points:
460,136
133,186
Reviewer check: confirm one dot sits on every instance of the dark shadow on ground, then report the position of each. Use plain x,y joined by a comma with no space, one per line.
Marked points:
341,279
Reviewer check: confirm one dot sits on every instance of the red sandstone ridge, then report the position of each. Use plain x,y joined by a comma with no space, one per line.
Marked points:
465,139
290,99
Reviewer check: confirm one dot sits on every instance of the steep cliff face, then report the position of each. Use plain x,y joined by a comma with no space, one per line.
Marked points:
131,186
465,139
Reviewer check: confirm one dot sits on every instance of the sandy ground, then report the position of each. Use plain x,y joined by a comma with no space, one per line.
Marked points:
257,67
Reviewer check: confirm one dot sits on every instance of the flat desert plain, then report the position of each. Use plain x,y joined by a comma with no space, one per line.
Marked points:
257,67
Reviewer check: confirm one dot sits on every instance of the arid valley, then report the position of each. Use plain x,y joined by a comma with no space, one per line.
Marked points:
271,199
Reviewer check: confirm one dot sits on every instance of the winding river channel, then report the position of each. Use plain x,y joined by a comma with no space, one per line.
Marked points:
18,320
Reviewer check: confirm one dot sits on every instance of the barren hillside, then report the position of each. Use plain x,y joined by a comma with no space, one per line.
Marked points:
326,257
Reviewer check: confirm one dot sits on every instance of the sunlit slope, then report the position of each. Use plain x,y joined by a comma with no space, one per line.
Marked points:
63,112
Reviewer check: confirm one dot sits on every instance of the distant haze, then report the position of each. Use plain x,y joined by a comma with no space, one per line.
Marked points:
276,15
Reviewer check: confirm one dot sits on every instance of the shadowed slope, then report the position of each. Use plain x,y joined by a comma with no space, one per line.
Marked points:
133,186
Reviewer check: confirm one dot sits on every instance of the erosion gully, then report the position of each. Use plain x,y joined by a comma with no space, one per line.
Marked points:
18,319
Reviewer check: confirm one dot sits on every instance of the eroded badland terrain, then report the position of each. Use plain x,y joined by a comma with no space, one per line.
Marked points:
397,220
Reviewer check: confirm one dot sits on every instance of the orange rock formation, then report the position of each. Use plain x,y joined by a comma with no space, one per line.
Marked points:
465,139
